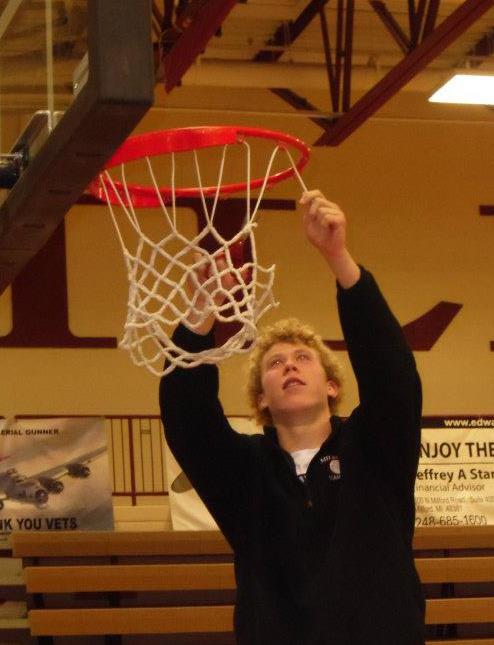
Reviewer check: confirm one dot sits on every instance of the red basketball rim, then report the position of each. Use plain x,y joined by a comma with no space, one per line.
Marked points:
151,144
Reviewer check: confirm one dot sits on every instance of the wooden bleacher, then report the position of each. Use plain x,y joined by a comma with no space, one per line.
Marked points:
127,587
14,627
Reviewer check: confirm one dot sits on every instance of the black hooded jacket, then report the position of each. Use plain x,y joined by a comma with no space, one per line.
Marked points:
328,561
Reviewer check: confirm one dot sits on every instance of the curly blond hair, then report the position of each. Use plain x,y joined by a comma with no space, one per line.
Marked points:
289,330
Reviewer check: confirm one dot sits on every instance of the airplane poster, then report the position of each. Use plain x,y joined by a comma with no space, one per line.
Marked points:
54,475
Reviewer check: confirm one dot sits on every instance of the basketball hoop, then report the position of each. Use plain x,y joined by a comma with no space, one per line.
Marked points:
160,271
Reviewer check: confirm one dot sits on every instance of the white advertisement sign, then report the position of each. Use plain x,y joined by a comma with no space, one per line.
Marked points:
54,475
455,479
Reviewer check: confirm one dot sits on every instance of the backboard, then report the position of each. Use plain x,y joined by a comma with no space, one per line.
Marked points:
76,76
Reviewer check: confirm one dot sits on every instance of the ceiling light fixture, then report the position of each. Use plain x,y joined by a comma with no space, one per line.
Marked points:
470,89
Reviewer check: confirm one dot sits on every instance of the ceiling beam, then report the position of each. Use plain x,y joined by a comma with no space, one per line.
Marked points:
430,18
392,25
8,14
287,33
482,49
446,33
340,71
194,39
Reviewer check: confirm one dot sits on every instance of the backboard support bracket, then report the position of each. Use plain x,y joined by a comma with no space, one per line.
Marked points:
117,94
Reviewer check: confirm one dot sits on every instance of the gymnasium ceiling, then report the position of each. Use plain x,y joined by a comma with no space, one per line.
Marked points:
276,45
248,32
243,59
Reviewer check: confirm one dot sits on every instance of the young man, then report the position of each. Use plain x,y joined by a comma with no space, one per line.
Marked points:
318,510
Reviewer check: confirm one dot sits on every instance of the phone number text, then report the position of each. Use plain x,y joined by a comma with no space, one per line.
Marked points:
452,520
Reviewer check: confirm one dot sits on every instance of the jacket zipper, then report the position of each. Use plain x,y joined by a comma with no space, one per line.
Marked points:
308,498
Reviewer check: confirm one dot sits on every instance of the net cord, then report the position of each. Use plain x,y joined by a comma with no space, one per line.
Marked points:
245,303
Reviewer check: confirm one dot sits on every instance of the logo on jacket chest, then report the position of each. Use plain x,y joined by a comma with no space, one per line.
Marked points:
332,465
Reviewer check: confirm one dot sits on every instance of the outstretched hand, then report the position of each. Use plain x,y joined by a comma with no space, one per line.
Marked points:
324,222
204,287
325,227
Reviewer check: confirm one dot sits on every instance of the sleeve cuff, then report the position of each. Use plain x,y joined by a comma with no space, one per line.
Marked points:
192,342
365,279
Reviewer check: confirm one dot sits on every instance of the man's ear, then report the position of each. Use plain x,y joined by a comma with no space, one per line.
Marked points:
333,389
261,401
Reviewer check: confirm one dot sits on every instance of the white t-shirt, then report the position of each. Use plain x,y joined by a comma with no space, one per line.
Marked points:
302,459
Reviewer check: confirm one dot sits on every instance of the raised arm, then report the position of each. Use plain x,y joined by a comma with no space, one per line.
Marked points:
211,453
325,227
389,386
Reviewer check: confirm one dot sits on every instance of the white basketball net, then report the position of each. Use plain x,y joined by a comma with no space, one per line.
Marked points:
158,300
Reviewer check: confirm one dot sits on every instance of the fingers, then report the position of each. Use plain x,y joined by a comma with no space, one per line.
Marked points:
201,268
319,205
314,200
212,283
324,212
324,223
206,264
309,195
228,280
213,271
325,218
320,211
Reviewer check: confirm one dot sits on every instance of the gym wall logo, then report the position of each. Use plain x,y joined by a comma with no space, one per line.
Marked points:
332,463
423,332
46,273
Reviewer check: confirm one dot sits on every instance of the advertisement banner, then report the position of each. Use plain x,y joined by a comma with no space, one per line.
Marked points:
454,485
455,479
54,475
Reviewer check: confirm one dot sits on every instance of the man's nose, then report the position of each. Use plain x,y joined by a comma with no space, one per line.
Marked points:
289,366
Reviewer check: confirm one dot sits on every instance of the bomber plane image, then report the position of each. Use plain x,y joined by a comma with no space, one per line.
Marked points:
37,488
